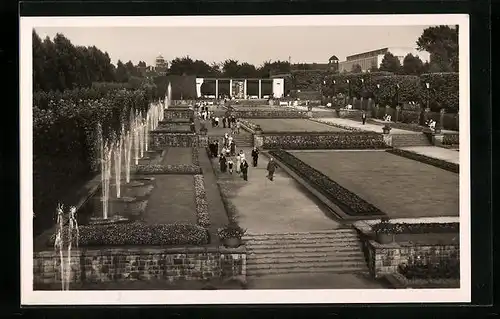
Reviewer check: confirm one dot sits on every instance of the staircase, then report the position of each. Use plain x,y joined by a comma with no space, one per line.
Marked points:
403,140
243,139
334,251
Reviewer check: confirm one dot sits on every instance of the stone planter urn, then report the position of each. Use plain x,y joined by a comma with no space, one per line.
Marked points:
384,239
232,242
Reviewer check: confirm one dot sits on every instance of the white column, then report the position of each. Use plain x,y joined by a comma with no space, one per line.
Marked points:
216,88
230,88
260,89
245,89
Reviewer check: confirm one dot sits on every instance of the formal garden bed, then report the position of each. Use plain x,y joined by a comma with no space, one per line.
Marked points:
451,167
349,202
329,140
159,169
411,190
292,126
343,127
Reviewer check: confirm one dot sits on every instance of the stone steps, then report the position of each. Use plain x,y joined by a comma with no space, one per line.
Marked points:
403,140
337,251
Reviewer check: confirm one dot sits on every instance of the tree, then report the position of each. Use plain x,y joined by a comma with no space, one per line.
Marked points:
374,68
412,65
121,72
442,44
230,68
356,68
390,63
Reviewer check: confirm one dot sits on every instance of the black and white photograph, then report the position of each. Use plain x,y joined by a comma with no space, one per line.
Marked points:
245,159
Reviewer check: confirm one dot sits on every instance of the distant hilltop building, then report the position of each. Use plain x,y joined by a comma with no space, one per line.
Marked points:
372,59
161,66
332,65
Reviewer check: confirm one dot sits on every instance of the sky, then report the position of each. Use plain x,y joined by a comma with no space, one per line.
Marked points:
303,44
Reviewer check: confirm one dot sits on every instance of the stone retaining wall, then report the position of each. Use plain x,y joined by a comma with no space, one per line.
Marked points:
178,113
170,264
385,259
160,140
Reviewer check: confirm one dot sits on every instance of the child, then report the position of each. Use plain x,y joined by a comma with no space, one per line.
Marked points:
230,166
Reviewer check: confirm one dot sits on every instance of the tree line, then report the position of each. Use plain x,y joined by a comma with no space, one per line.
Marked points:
59,65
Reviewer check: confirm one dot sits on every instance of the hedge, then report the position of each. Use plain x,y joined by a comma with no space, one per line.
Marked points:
138,233
451,167
349,202
451,139
65,150
315,140
443,91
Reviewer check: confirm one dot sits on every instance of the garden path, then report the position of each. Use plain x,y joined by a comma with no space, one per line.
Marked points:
358,125
279,206
445,154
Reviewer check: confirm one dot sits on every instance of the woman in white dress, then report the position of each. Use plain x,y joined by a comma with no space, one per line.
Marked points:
238,163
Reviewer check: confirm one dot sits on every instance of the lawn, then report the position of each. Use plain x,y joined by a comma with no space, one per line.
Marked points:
400,187
178,156
172,200
294,125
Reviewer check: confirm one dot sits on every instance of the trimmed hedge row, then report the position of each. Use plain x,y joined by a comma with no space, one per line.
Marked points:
451,167
138,233
202,215
344,127
315,140
421,228
443,89
348,201
265,114
180,169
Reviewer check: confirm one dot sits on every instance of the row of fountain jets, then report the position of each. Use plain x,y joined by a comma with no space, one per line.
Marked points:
134,139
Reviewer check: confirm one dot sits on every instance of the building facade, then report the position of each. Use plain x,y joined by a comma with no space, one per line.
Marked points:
161,66
371,59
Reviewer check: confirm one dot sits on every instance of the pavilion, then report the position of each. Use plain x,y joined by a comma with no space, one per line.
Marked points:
278,85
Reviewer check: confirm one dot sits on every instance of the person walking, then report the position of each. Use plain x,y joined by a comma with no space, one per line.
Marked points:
223,163
233,149
255,156
216,121
244,169
363,118
238,125
230,166
224,122
238,163
271,168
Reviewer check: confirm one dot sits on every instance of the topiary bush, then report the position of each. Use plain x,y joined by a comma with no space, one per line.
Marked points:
443,91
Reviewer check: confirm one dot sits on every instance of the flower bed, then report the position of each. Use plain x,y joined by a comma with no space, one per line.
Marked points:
137,233
194,156
327,140
421,228
451,167
162,139
344,127
181,169
265,114
202,215
444,269
451,139
349,202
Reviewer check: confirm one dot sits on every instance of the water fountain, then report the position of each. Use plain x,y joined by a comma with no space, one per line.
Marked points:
146,132
141,135
118,162
59,243
128,155
105,177
136,139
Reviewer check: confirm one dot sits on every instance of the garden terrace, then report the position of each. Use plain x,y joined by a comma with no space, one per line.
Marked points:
323,140
293,125
347,201
412,189
269,114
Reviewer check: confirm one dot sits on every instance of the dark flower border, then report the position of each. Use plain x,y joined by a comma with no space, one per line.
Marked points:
202,214
451,139
318,140
348,201
138,233
416,228
182,169
195,160
451,167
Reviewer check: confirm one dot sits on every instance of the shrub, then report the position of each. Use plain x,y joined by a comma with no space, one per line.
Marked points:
348,201
315,140
232,230
451,167
181,169
358,89
138,233
443,91
422,228
202,215
443,269
451,139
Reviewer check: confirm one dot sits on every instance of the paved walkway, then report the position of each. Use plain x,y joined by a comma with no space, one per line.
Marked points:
445,154
278,206
358,125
